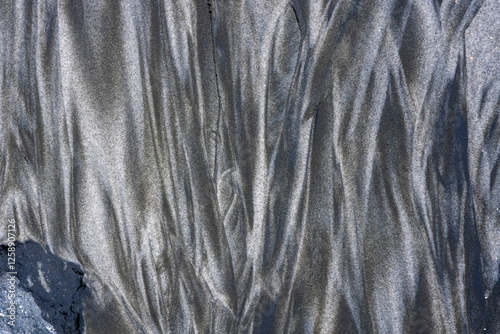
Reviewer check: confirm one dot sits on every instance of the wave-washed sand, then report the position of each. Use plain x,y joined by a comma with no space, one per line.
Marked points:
259,166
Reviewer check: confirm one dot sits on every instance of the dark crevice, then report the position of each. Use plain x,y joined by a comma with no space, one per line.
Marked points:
209,10
296,17
214,58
